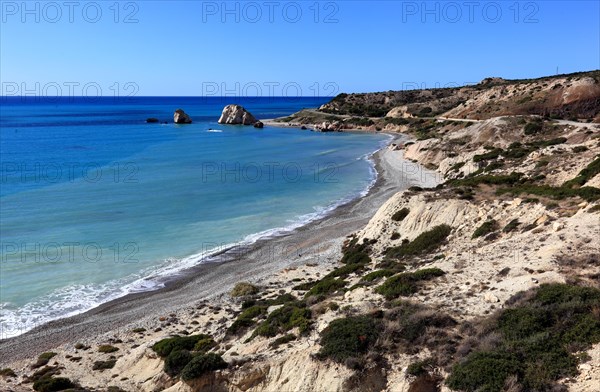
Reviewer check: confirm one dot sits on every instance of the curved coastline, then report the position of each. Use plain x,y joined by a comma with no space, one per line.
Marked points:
317,241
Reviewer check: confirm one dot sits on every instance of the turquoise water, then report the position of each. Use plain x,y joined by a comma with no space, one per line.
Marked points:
95,203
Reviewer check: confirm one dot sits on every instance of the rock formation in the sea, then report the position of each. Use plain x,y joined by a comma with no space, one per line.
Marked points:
259,124
327,126
152,120
181,117
236,115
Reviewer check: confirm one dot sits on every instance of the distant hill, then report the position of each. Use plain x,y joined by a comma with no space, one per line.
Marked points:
570,96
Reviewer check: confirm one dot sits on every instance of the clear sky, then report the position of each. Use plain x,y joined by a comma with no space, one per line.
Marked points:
203,48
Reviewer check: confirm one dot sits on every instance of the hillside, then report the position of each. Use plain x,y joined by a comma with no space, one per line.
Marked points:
487,281
573,97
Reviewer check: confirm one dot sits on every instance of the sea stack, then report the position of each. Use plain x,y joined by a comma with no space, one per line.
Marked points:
180,117
236,115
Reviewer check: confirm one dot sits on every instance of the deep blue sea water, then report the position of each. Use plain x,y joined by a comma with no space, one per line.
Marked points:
96,203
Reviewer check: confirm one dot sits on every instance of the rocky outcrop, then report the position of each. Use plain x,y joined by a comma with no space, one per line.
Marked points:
237,115
152,120
259,124
327,126
180,117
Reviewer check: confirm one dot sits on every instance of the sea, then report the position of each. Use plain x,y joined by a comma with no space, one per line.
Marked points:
96,203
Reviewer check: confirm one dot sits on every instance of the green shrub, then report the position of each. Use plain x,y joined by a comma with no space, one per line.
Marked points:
427,273
43,359
400,214
486,228
176,361
326,286
419,368
484,372
164,347
107,348
488,179
204,345
425,242
584,175
345,270
53,384
202,364
243,289
281,320
355,253
282,340
493,154
382,273
305,286
405,284
246,318
282,299
558,193
348,337
538,336
7,372
511,226
533,128
102,365
457,166
579,149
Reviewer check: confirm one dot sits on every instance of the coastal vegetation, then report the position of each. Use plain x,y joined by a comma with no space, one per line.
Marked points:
535,340
407,283
400,214
425,242
243,289
486,228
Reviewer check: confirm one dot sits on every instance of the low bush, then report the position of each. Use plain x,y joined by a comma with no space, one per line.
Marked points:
282,340
53,384
511,226
493,154
107,348
204,345
406,283
344,271
348,337
558,193
382,273
585,174
103,365
246,318
164,347
537,336
7,372
486,228
243,289
176,361
418,368
533,128
326,286
43,359
356,253
202,364
282,320
424,243
488,179
400,214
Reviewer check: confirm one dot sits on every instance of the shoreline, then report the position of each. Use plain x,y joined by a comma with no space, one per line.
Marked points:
318,242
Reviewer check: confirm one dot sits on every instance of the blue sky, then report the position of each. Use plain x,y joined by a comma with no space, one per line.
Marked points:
203,48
